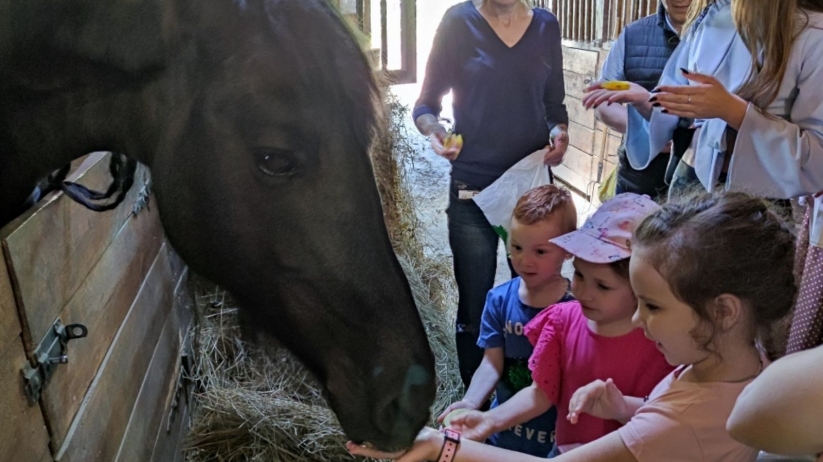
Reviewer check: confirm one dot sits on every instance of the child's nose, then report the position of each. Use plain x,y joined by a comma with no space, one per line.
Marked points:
582,293
636,321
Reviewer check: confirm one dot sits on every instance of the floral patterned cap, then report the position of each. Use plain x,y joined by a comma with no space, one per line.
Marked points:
606,236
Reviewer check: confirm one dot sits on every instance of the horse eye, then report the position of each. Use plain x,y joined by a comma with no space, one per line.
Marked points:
275,162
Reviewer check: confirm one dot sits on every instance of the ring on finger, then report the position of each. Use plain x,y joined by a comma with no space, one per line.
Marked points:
689,100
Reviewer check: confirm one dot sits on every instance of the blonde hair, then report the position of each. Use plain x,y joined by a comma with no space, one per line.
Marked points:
769,28
695,8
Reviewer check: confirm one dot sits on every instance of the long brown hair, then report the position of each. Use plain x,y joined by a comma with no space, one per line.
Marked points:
769,28
695,8
706,245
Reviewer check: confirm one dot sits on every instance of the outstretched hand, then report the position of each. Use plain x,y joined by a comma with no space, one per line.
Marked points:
437,138
597,95
455,406
600,399
554,152
706,98
425,447
473,425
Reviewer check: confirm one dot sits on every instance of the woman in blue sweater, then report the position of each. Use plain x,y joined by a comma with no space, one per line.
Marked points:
503,61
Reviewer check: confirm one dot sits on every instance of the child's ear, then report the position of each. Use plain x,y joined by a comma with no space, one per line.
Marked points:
727,310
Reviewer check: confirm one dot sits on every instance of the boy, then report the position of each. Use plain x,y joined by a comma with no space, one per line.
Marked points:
541,214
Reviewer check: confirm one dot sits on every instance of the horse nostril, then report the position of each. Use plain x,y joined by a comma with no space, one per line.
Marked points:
403,415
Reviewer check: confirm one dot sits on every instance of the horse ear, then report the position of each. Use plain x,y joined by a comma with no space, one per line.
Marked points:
51,43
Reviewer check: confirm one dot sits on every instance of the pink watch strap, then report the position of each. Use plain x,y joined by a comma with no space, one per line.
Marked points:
449,445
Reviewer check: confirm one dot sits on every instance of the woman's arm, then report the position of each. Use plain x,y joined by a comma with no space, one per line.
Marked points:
777,158
661,125
429,443
437,81
554,94
613,69
613,115
555,91
609,448
784,158
782,410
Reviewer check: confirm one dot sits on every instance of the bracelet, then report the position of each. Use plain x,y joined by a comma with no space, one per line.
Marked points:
450,444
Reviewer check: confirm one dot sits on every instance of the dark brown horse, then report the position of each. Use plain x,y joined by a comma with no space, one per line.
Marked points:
255,118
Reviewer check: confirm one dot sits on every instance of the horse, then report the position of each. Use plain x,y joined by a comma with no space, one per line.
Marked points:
255,118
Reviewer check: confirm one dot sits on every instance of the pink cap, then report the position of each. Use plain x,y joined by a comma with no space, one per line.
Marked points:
606,236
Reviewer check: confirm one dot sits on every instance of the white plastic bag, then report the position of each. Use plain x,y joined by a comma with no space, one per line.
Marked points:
498,200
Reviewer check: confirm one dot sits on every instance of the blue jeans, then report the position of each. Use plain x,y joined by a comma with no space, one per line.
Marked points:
474,247
650,181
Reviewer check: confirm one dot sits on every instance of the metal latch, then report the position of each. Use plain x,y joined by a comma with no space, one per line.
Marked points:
52,351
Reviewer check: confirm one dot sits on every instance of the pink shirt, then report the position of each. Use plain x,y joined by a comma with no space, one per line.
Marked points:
568,355
686,421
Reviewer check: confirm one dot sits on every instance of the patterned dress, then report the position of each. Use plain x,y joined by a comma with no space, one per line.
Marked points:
807,326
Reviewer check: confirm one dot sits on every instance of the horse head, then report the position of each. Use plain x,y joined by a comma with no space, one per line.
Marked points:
255,118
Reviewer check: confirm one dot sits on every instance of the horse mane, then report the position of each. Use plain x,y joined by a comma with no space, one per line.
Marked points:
321,44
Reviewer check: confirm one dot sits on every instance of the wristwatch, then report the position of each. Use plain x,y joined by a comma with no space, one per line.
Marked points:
450,444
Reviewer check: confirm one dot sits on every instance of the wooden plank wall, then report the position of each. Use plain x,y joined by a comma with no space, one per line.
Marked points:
102,424
115,273
581,65
23,434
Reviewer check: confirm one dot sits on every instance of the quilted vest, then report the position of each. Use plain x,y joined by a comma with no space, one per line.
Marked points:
649,43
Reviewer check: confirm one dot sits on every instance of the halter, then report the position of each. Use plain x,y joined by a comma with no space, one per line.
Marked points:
121,168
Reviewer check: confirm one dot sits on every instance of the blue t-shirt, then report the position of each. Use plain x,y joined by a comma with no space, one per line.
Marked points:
506,99
504,318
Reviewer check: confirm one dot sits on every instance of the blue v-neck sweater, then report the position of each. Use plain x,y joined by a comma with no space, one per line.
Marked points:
506,99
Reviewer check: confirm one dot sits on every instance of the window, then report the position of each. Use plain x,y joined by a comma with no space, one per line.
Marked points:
596,21
392,27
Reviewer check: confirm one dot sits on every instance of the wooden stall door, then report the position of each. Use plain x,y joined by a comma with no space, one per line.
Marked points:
114,273
23,434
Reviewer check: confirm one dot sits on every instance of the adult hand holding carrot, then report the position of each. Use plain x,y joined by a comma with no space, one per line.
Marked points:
605,92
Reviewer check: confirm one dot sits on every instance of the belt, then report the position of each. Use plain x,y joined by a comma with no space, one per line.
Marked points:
465,190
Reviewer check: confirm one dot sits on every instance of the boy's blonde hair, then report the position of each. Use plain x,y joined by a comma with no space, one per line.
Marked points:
547,201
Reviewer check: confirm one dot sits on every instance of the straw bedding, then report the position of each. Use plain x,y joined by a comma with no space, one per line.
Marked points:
256,405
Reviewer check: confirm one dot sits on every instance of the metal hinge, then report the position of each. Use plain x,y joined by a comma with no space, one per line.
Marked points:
144,196
182,389
52,351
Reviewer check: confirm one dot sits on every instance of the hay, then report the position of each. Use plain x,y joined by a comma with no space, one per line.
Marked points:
263,406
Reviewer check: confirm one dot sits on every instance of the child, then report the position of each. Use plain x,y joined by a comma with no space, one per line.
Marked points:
592,338
713,275
541,214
